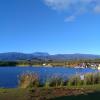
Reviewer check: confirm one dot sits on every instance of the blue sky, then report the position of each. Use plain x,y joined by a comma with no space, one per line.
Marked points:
54,26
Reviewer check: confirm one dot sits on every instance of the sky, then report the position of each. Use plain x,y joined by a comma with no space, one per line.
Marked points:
53,26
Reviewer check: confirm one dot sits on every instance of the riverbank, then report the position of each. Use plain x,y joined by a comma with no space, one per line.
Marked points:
62,93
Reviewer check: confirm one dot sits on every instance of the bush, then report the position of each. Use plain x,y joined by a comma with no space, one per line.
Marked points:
89,79
74,81
92,78
97,78
29,79
55,81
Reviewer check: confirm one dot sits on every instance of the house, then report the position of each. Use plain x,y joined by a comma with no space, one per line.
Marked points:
99,67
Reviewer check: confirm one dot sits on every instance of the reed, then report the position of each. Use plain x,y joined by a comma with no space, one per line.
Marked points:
92,78
55,81
28,80
74,81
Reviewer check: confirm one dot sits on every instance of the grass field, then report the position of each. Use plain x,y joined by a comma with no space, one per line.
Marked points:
93,95
90,96
62,93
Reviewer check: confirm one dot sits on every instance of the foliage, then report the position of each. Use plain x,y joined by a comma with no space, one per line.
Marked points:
29,80
8,63
32,80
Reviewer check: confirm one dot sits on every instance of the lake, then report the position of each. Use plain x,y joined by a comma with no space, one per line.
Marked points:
9,76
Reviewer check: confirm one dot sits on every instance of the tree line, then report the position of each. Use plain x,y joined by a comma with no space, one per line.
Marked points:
49,62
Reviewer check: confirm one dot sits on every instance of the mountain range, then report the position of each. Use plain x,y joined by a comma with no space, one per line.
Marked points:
12,56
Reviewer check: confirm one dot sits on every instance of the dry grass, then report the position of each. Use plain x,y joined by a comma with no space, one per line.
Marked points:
28,80
32,80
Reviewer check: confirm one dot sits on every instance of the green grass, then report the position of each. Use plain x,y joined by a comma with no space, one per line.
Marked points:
29,88
25,94
13,94
30,80
90,96
95,95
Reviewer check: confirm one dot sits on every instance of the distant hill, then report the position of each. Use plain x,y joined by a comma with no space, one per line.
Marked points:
15,56
74,56
40,54
12,56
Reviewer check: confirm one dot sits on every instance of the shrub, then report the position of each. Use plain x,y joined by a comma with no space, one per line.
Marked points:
88,79
92,78
47,84
97,78
29,79
55,81
74,81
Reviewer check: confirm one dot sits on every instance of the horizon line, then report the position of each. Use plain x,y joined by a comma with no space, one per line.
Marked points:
46,52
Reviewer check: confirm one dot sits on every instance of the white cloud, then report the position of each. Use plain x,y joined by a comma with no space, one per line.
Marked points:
97,9
57,4
70,18
74,8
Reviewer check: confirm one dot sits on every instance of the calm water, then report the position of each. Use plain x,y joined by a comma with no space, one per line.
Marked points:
9,76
